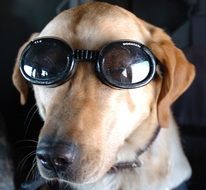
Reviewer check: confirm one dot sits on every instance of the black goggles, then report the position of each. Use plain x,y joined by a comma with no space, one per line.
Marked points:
121,64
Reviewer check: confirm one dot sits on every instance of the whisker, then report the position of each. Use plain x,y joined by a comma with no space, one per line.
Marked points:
26,147
34,160
36,181
48,183
26,140
29,112
24,160
29,122
66,186
31,171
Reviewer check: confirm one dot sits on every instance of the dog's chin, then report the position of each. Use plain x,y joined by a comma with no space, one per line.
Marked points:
74,178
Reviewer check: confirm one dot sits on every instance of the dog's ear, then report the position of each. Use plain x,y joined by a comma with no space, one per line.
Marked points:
178,73
17,78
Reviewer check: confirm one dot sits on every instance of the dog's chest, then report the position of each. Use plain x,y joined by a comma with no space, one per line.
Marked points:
123,181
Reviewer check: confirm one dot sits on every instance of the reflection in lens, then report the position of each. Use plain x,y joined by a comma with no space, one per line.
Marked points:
30,71
137,72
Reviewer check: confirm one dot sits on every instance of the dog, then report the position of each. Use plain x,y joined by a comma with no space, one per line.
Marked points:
100,132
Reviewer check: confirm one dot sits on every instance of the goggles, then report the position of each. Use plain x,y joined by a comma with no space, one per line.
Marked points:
120,64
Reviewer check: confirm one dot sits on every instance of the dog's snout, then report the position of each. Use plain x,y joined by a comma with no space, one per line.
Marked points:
57,157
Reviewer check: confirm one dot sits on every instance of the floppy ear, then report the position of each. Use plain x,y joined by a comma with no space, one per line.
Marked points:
17,78
178,73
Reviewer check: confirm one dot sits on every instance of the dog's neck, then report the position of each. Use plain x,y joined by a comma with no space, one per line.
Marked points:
140,140
118,167
164,165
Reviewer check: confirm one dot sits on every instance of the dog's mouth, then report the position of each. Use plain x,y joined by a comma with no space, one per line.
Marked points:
60,176
39,181
85,172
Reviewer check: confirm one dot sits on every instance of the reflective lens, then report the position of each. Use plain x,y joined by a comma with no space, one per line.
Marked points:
121,64
46,61
126,65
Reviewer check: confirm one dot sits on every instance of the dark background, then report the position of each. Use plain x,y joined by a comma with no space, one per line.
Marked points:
184,20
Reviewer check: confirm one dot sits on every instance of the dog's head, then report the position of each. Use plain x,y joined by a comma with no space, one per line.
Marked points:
87,122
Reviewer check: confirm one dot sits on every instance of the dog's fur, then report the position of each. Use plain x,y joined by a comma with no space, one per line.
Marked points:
111,125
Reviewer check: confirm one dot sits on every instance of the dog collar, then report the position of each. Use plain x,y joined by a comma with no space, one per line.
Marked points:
136,163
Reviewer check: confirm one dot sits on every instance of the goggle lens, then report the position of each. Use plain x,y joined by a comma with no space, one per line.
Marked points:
46,61
125,65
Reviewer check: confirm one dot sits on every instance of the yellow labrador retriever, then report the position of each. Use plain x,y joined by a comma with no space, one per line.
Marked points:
104,82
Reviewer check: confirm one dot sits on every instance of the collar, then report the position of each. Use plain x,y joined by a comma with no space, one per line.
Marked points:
136,163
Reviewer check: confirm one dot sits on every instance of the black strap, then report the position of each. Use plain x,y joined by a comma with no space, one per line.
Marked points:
86,55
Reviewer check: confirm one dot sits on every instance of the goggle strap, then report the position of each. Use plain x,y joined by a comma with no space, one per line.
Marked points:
86,55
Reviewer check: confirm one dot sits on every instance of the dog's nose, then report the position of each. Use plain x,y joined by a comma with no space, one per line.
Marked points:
57,157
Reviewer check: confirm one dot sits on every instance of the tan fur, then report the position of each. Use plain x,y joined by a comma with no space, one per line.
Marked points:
110,125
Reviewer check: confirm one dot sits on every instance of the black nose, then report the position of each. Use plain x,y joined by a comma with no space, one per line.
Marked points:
56,157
